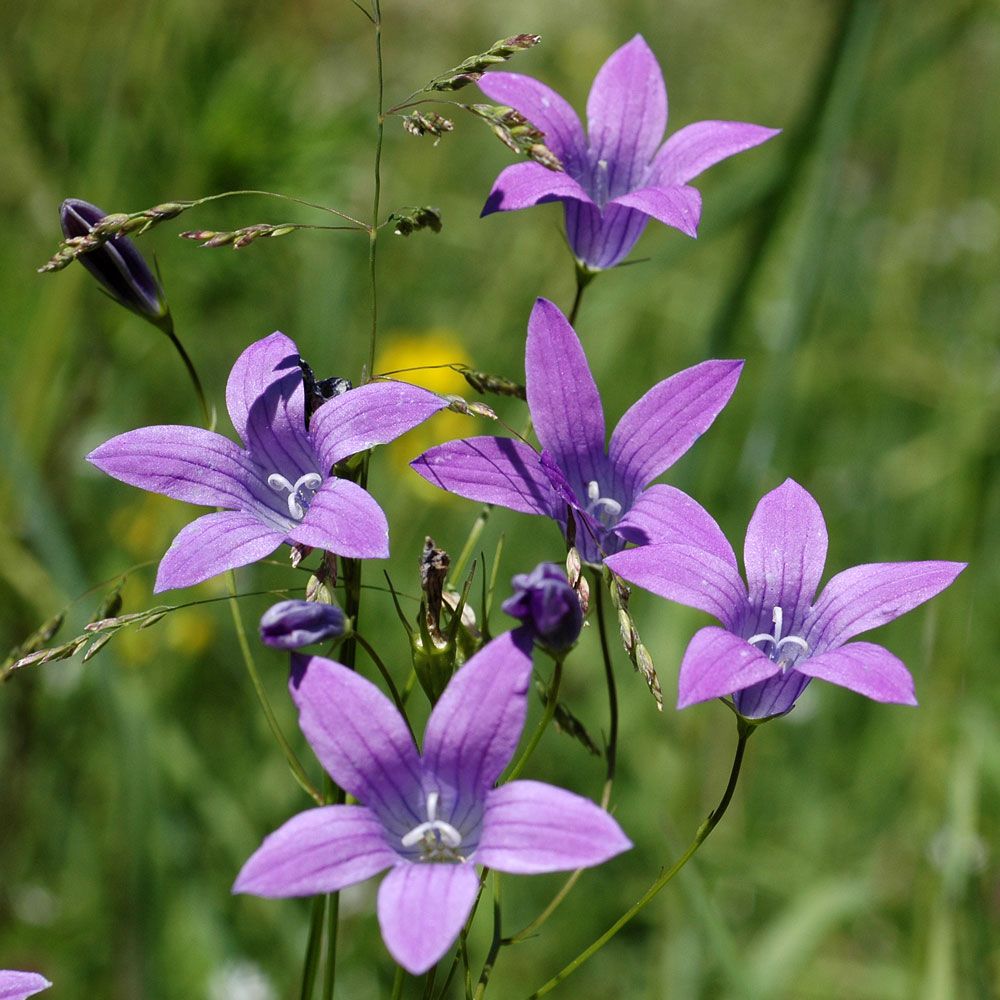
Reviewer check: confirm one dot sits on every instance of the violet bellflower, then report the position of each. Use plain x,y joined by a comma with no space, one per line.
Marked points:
546,603
774,639
618,176
278,488
294,623
21,985
429,817
605,486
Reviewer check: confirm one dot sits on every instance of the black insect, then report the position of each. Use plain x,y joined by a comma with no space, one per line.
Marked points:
320,391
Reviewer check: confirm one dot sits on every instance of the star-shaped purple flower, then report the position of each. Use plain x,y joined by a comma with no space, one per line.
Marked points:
277,488
605,485
619,175
21,985
774,640
429,817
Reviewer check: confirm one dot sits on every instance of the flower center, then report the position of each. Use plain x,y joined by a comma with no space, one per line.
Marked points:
602,509
437,840
777,642
300,493
601,183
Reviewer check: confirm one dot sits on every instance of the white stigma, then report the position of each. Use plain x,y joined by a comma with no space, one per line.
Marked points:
606,510
310,483
437,838
776,639
601,183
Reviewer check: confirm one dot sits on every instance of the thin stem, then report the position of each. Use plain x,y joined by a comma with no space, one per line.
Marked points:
611,752
398,979
551,699
495,943
313,947
745,730
583,278
167,326
458,566
284,197
429,983
333,918
529,930
377,187
387,677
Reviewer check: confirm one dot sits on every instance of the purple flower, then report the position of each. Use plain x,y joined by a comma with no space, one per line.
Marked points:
545,602
290,624
774,640
619,175
429,817
20,985
606,486
277,488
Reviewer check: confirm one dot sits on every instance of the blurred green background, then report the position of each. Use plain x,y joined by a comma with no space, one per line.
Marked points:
852,262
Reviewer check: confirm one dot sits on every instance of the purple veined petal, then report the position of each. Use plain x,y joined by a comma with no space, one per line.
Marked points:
864,597
866,668
493,470
372,414
213,544
319,850
664,515
360,739
186,463
543,107
262,364
667,420
679,206
602,239
422,908
530,827
717,663
774,696
563,400
522,185
695,148
275,431
784,555
345,519
627,115
688,575
21,985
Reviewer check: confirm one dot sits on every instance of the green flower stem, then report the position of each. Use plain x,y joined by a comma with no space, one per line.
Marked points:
551,699
429,983
166,324
283,197
475,532
583,278
745,730
611,751
397,983
389,682
333,919
495,943
313,947
377,189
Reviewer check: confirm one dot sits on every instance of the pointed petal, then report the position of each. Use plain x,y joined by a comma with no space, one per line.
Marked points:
320,850
531,827
476,725
372,414
602,239
664,515
564,402
522,185
866,668
543,107
213,544
664,423
627,114
679,207
275,433
774,696
697,147
345,519
186,463
689,575
261,365
360,739
422,908
718,663
21,985
784,554
490,469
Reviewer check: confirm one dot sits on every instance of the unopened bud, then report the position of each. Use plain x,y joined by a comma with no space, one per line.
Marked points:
545,602
291,624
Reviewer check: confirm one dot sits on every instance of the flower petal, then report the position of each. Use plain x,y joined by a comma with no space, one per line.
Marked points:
663,424
491,469
864,597
531,827
784,554
866,668
602,239
689,575
695,148
774,696
564,402
718,663
213,544
522,185
372,414
275,433
679,206
361,740
345,519
261,365
20,985
421,910
319,850
627,114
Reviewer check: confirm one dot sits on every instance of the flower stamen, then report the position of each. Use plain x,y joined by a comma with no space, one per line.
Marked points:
603,509
777,641
300,493
438,840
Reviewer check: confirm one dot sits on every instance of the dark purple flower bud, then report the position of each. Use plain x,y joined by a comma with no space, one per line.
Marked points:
117,265
291,624
544,601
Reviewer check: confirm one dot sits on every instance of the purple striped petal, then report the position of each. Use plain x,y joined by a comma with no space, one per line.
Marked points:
213,544
493,470
866,668
261,365
522,185
774,696
320,850
697,147
345,519
718,663
21,985
421,910
275,430
679,207
602,240
360,739
663,424
530,827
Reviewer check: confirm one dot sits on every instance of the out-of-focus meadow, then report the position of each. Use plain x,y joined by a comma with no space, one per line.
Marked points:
852,262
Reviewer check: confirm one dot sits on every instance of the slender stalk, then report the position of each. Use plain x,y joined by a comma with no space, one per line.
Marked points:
284,197
551,699
458,566
313,947
333,918
167,326
495,943
397,983
745,730
429,983
583,278
377,188
611,752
